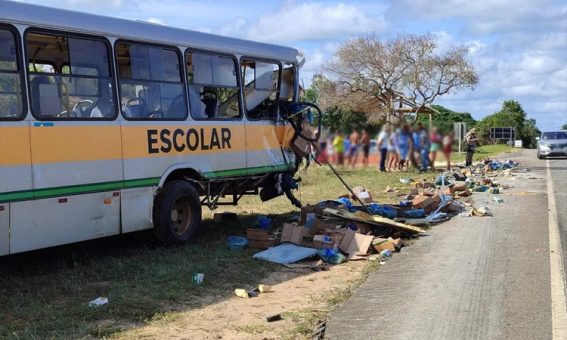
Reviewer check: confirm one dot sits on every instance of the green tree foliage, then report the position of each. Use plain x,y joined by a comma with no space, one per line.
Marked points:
510,115
336,119
564,127
445,119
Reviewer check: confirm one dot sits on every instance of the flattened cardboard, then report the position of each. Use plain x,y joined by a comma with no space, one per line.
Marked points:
355,244
292,233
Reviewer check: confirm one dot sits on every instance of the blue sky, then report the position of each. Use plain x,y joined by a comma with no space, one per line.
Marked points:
519,47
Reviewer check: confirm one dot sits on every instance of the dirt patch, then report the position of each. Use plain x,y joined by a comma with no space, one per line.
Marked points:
295,291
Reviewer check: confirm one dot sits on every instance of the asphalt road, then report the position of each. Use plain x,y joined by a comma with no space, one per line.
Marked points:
470,278
558,169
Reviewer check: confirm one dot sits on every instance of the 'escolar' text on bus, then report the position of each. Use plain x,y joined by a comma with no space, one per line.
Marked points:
166,140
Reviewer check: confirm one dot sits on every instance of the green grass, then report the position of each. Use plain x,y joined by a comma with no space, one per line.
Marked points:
485,151
45,293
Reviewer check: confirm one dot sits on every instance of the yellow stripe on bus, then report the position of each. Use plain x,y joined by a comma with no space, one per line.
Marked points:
14,145
54,144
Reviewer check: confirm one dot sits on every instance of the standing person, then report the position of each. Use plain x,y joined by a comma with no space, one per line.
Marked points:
404,144
331,156
435,140
471,140
365,142
416,147
322,156
383,146
448,147
339,145
424,143
393,152
352,152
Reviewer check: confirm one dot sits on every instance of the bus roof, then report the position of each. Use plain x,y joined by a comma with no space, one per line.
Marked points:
34,15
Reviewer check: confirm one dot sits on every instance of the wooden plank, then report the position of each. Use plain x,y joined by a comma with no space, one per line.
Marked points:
361,216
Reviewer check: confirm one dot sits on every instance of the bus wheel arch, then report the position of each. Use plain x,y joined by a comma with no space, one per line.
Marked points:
177,212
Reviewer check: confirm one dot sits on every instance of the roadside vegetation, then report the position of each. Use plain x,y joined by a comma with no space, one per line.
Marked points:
45,294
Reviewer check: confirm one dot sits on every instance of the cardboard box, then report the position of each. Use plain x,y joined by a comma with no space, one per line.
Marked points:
261,244
397,242
381,244
327,240
320,225
421,202
435,201
447,191
293,233
257,234
355,244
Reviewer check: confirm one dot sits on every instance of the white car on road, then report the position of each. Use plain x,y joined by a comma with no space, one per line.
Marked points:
553,143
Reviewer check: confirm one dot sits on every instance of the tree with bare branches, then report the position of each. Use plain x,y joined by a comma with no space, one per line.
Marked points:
391,79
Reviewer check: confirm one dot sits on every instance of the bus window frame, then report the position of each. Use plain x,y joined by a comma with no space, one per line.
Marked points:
99,38
262,60
238,84
182,75
20,71
296,87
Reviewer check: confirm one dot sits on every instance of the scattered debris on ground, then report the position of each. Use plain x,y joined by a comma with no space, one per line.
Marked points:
339,229
314,246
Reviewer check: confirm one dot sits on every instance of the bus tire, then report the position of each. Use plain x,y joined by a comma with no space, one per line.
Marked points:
176,212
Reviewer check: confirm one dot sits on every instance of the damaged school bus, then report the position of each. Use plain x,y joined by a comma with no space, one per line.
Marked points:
110,126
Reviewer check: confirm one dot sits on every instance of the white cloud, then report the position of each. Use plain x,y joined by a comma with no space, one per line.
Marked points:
306,21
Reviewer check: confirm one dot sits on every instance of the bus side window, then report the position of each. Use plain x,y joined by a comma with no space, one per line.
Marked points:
261,88
70,77
11,99
213,86
151,86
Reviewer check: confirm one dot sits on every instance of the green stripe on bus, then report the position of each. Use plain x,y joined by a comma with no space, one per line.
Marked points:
128,184
247,171
77,189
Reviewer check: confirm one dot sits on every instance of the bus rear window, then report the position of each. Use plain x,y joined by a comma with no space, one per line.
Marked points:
70,77
11,98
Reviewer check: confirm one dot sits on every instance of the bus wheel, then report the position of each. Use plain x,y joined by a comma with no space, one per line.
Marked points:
177,212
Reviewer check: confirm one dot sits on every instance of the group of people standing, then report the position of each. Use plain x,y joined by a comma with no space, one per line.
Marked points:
398,148
344,151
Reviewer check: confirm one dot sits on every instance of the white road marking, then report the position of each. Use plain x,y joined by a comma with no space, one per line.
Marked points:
558,302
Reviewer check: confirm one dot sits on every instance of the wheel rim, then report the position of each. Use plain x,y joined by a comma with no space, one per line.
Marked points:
180,215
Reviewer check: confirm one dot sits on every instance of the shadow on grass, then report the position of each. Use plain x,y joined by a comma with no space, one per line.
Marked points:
45,293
